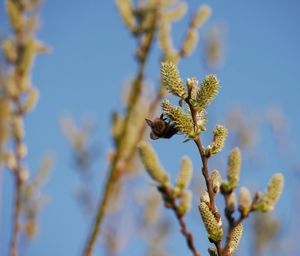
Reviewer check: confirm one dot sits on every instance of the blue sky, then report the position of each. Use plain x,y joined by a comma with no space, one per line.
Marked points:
92,56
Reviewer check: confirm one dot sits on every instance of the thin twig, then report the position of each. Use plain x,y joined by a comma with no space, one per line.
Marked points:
17,209
171,203
228,212
234,224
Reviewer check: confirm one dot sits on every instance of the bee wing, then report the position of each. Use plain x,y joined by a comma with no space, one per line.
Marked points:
149,122
153,136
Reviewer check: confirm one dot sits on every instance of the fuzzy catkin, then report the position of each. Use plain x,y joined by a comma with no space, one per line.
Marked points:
208,90
220,134
236,237
212,227
170,78
183,121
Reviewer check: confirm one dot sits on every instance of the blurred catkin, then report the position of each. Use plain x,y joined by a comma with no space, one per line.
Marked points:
126,10
244,201
185,173
203,14
191,39
234,166
185,202
272,195
152,164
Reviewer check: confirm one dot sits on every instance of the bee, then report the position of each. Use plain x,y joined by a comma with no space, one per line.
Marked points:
161,127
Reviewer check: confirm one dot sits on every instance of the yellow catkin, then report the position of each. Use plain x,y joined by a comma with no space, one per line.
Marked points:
220,134
213,229
236,238
208,90
170,78
183,121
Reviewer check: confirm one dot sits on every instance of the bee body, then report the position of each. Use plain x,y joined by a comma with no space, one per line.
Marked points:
161,128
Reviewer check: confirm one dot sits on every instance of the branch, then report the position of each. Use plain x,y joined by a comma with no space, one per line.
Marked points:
205,173
114,172
18,179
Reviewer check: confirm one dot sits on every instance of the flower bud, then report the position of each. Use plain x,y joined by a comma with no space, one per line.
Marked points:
231,202
216,180
244,201
185,202
204,197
